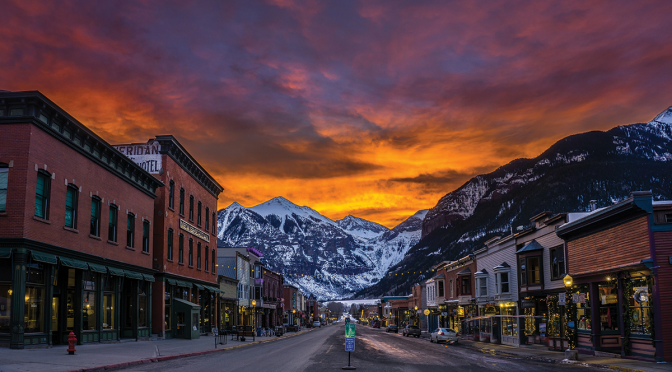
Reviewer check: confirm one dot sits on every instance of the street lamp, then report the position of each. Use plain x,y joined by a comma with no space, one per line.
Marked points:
568,281
254,320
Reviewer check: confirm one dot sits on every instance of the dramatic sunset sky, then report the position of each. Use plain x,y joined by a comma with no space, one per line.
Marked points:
370,108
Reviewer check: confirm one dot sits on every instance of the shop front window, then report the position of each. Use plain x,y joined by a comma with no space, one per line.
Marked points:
142,304
5,294
167,298
89,302
583,309
509,321
640,308
108,303
608,306
34,299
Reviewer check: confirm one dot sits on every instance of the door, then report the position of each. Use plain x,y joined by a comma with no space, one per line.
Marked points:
128,309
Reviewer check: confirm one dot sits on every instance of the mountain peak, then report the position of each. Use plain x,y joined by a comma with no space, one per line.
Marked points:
664,117
361,227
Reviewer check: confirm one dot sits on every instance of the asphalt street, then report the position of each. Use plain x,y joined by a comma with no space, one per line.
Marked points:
323,350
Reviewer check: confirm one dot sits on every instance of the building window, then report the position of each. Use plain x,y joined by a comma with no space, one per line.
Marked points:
145,236
191,207
466,285
207,219
180,249
198,220
214,224
206,258
42,195
170,244
171,195
95,216
214,260
4,177
112,223
181,201
89,314
503,282
440,288
452,289
530,271
71,197
483,286
191,252
557,263
198,255
130,229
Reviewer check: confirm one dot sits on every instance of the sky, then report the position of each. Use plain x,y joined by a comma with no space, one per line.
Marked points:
370,108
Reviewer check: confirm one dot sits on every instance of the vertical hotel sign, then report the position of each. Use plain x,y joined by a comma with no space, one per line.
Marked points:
146,155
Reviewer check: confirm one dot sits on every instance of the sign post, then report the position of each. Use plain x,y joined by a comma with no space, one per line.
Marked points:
349,342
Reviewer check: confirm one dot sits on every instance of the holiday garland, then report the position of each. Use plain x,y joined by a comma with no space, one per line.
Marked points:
628,292
570,313
530,326
553,313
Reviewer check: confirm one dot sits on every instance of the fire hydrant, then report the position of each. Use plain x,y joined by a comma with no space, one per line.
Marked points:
72,339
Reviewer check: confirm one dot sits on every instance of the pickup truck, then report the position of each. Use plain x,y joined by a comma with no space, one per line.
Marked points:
411,330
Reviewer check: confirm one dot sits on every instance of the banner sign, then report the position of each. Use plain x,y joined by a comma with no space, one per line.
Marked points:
193,230
146,155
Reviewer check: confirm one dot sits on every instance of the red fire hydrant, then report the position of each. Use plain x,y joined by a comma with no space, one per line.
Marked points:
72,339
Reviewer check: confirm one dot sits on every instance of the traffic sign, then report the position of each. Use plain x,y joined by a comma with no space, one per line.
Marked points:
349,344
350,331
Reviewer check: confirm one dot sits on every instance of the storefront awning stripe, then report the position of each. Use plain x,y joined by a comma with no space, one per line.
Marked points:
202,288
98,268
182,284
117,272
133,275
44,257
75,264
5,252
171,281
148,277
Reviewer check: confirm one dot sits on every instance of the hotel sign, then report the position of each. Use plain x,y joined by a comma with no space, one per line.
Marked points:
146,155
193,230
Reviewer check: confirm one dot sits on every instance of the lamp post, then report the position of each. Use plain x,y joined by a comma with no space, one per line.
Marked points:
570,353
415,314
254,320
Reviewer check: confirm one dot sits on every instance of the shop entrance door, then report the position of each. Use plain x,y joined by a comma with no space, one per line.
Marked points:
129,311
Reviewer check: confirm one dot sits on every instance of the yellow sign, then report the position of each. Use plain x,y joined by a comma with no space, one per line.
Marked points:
426,312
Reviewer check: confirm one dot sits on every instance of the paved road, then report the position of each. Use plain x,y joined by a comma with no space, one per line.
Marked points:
323,350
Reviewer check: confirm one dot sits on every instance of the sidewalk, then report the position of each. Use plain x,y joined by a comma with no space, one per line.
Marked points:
99,357
545,355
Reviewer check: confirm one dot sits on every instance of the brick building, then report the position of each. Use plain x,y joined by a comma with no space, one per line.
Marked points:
272,298
75,230
184,233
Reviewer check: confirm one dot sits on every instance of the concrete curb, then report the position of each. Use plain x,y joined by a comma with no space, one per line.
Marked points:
111,367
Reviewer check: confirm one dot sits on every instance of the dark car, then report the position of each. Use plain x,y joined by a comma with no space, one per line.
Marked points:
376,324
411,330
392,328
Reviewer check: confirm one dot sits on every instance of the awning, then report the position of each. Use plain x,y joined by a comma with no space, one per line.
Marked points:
44,257
148,277
98,268
182,284
5,252
171,281
215,290
202,288
117,272
133,275
75,264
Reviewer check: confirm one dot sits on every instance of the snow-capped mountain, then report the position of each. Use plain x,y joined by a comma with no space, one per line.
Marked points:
602,166
330,259
361,227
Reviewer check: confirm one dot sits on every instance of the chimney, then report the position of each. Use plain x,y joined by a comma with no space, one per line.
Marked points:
593,205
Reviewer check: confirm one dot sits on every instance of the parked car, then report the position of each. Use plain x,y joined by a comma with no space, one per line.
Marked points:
444,335
411,330
376,324
392,328
317,324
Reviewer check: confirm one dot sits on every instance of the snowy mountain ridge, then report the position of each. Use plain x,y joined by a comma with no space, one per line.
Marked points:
330,259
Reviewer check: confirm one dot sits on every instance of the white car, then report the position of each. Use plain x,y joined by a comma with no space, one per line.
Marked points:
317,324
444,335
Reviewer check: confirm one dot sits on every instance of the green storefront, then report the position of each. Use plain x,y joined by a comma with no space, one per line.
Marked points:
46,293
179,294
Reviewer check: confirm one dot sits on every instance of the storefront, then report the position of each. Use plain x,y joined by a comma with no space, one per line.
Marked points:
489,323
535,324
51,296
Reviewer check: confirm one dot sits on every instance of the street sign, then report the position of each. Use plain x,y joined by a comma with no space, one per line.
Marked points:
349,331
561,299
349,344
